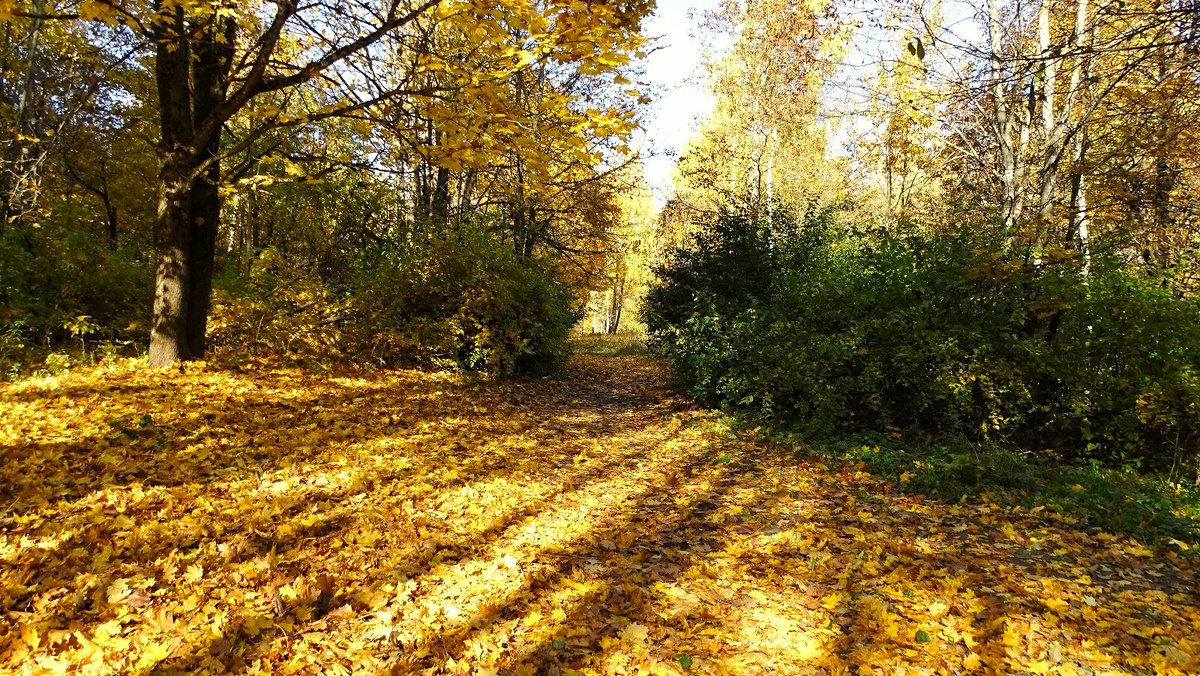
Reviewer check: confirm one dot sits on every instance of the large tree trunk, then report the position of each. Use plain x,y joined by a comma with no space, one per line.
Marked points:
177,161
191,74
213,59
168,333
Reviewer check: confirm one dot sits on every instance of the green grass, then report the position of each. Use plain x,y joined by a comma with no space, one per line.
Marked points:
21,361
1146,507
617,345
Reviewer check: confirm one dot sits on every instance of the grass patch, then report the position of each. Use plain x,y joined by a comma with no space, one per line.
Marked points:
19,361
1146,507
615,345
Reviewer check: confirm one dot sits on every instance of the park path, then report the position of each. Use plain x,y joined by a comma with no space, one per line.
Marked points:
272,519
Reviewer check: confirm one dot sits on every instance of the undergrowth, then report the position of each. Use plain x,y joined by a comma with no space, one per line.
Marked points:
1146,507
610,345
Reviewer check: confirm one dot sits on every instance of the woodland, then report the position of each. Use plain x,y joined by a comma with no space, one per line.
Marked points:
355,336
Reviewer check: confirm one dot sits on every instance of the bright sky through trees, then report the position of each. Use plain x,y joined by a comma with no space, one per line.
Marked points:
684,99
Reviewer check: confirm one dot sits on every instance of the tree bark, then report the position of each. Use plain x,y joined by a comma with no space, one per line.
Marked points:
168,342
533,231
191,74
110,220
1012,131
210,70
1057,119
168,333
616,303
1079,230
441,198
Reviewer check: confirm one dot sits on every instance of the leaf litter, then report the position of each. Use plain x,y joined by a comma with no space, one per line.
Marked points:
280,520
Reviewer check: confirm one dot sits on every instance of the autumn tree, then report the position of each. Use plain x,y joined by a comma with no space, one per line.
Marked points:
766,139
618,287
214,61
1032,97
59,83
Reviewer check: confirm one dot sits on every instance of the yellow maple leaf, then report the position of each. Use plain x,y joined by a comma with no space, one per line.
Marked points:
635,633
831,600
532,619
1039,667
153,653
195,573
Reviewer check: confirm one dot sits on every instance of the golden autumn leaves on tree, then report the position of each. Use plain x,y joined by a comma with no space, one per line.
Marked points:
471,66
1062,119
1054,114
764,141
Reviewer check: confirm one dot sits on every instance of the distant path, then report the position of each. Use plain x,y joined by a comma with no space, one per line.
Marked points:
217,520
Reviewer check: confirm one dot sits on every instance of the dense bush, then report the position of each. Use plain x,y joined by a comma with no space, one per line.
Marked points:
53,274
278,310
465,301
827,328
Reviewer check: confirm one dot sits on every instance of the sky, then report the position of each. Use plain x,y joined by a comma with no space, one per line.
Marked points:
677,82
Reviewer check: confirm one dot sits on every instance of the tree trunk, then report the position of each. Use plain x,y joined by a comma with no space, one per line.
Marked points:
1056,116
213,59
1051,130
533,231
1012,131
466,193
110,219
191,74
613,321
518,221
168,333
441,198
1079,230
1165,178
110,209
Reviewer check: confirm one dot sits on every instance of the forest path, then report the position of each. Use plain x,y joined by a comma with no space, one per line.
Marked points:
225,520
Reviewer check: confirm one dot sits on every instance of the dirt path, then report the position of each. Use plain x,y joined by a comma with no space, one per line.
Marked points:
289,522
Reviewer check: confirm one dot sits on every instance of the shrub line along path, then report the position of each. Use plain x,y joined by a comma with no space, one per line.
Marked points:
281,520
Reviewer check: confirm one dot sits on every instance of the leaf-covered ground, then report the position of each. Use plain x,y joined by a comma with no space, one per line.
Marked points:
283,521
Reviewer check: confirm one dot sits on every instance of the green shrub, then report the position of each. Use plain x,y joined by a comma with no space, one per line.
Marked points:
839,329
52,274
465,301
